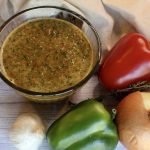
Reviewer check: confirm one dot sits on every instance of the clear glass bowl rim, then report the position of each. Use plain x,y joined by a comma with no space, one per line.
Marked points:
25,91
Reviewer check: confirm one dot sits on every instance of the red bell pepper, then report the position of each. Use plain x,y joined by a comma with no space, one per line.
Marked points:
127,63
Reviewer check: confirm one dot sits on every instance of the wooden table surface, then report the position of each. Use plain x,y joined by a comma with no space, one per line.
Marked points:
12,104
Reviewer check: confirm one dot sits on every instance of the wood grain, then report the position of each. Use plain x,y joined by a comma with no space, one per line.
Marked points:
12,104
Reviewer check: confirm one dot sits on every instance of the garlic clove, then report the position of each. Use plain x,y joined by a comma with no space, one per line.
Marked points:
27,132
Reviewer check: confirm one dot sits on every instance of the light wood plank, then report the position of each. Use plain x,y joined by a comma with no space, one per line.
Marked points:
12,104
8,95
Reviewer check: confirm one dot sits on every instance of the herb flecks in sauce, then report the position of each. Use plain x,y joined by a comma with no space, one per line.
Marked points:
46,55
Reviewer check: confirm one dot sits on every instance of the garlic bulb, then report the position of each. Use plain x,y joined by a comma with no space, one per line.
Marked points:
28,132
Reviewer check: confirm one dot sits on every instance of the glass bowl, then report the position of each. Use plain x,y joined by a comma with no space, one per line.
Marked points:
51,12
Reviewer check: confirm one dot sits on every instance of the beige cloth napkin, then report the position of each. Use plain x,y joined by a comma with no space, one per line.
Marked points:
111,18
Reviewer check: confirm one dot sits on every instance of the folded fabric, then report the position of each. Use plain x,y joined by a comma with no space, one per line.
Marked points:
111,18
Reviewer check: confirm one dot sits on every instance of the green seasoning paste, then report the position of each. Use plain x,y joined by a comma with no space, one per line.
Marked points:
46,55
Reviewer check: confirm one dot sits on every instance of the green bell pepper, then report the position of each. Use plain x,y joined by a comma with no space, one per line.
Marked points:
88,126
